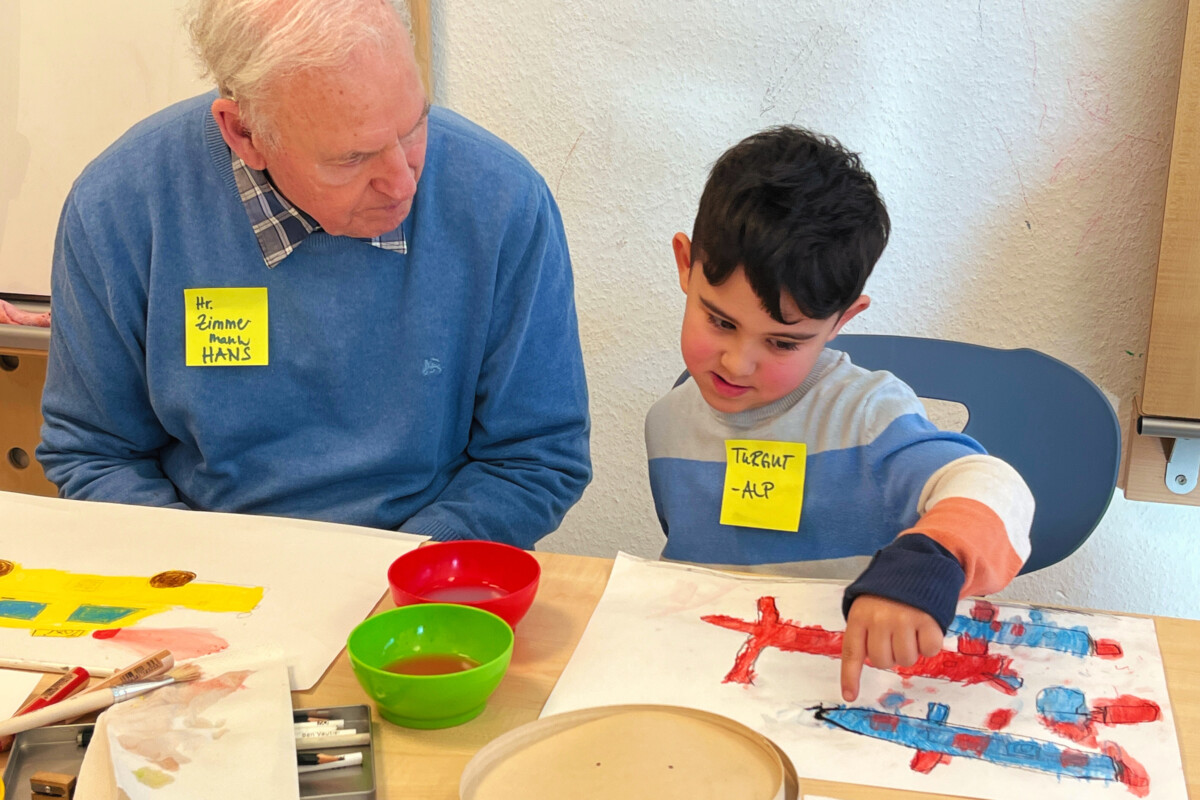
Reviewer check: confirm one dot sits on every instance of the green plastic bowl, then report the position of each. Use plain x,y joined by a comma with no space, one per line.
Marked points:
430,701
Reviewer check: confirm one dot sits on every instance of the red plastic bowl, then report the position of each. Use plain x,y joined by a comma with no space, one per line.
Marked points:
495,577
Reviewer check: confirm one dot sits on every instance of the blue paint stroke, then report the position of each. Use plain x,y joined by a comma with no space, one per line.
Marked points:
100,615
1035,632
1061,704
20,609
933,735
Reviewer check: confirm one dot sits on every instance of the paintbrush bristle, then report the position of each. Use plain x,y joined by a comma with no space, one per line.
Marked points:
185,673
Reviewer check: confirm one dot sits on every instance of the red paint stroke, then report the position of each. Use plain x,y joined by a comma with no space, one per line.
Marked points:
1129,771
1079,732
1122,710
972,646
1125,710
769,630
967,669
1108,648
1073,758
884,722
999,719
925,760
971,743
983,611
184,643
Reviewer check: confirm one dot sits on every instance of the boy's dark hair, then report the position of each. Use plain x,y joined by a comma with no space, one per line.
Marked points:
799,213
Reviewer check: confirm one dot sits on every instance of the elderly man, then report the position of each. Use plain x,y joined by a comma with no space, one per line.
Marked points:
311,294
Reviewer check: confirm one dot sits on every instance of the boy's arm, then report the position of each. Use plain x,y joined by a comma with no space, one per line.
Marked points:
972,537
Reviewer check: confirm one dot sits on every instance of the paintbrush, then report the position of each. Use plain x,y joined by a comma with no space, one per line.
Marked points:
88,702
142,670
26,665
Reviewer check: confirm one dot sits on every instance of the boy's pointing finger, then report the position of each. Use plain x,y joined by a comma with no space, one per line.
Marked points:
854,651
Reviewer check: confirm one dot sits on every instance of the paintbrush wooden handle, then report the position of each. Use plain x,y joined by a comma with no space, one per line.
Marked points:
144,669
75,706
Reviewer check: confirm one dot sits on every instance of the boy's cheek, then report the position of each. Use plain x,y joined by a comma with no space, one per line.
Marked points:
779,378
696,349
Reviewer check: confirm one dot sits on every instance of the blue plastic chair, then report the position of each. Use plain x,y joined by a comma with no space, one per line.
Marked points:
1044,417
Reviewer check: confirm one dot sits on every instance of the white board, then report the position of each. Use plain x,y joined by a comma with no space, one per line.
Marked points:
74,76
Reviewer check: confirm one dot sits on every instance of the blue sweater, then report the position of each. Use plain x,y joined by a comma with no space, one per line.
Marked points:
440,391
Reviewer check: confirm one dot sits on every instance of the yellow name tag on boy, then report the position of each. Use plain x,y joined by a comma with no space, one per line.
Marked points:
225,327
764,484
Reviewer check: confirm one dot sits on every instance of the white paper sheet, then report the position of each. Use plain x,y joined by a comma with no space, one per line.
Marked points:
648,642
15,688
318,581
227,734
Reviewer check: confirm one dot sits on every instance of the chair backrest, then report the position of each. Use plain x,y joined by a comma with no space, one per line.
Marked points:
1044,417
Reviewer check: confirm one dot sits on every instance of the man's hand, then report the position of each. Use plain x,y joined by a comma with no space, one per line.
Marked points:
887,632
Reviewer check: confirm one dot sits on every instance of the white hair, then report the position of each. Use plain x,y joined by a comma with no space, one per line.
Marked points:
246,46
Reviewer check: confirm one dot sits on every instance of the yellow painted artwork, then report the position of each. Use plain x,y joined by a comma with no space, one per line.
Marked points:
764,484
226,327
51,602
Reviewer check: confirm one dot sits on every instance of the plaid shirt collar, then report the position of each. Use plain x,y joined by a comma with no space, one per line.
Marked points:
278,225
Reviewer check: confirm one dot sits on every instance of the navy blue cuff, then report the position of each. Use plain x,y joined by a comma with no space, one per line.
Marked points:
914,570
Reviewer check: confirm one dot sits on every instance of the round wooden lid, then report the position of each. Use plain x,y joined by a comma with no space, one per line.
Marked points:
627,752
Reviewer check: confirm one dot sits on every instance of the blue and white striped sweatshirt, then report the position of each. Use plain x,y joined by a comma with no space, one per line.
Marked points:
944,518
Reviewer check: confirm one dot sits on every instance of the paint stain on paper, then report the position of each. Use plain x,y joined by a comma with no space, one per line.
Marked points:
184,643
154,778
998,720
170,722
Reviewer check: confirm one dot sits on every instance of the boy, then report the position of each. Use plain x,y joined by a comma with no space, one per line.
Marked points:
771,423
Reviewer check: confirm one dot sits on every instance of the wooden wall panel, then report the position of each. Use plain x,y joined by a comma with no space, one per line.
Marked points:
422,28
1171,385
1172,382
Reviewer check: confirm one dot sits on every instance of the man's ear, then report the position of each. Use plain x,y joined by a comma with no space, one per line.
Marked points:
683,258
857,307
228,116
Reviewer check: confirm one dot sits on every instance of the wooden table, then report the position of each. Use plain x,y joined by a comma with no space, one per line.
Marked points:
426,765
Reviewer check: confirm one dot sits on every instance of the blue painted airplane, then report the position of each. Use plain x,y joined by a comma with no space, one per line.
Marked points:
936,742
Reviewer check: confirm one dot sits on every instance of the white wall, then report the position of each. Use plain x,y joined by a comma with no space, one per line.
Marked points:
1022,149
74,75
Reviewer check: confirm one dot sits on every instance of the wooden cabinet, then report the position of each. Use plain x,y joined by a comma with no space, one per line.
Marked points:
1169,403
22,373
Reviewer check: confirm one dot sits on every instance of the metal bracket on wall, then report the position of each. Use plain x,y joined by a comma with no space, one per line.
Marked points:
1183,464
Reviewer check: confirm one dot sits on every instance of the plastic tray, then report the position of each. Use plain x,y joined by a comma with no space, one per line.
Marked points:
54,748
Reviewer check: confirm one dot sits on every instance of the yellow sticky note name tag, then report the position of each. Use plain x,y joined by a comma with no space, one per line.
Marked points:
225,327
764,484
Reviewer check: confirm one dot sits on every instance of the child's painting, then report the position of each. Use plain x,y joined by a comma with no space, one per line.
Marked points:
98,585
1021,701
